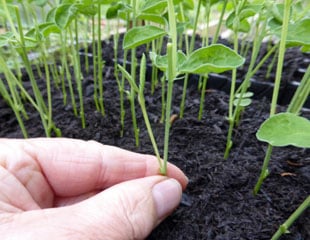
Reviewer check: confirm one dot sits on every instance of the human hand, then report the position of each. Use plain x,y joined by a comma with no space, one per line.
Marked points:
73,189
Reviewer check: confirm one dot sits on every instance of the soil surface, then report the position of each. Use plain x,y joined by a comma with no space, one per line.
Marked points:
218,203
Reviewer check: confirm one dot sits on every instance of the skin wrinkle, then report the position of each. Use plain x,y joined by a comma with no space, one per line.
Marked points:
130,216
22,199
68,160
28,171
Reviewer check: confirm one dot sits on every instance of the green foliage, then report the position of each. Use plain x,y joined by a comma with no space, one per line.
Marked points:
298,32
114,9
154,7
241,20
5,38
64,14
216,58
43,30
141,35
161,62
244,100
285,129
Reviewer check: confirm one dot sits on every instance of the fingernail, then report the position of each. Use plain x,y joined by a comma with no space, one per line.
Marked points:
167,196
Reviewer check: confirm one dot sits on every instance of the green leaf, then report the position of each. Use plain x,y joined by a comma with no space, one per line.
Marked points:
153,18
113,10
215,58
285,129
141,35
86,9
189,4
305,49
154,7
45,29
245,95
64,14
5,38
161,62
244,102
243,25
298,34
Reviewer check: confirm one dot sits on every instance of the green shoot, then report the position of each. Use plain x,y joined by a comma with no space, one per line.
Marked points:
285,226
140,91
264,171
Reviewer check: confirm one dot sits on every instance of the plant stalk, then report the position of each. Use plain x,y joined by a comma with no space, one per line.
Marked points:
286,225
286,15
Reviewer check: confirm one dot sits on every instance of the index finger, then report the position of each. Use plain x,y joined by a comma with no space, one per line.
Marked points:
75,166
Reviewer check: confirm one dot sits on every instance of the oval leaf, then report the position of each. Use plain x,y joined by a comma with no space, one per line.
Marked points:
153,18
45,29
141,35
155,7
64,14
5,38
298,33
161,62
285,129
244,102
216,58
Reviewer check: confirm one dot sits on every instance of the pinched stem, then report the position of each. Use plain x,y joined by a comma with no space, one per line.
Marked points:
285,226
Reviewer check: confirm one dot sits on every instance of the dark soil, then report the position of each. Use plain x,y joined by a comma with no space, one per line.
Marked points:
218,203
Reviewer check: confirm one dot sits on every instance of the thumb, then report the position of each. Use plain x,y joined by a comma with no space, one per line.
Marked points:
130,210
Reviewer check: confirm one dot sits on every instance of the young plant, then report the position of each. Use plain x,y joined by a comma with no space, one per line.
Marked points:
22,43
285,32
140,93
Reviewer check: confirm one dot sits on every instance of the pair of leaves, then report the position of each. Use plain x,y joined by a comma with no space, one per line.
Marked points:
244,100
285,129
215,58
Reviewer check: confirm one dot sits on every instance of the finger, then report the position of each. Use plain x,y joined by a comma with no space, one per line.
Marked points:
75,167
129,210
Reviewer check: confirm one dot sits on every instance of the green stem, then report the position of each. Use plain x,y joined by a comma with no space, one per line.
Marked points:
217,31
39,99
141,100
77,72
64,61
95,75
163,98
282,48
48,89
133,75
191,48
301,94
182,105
100,64
120,83
202,97
13,99
286,225
264,170
171,74
144,112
